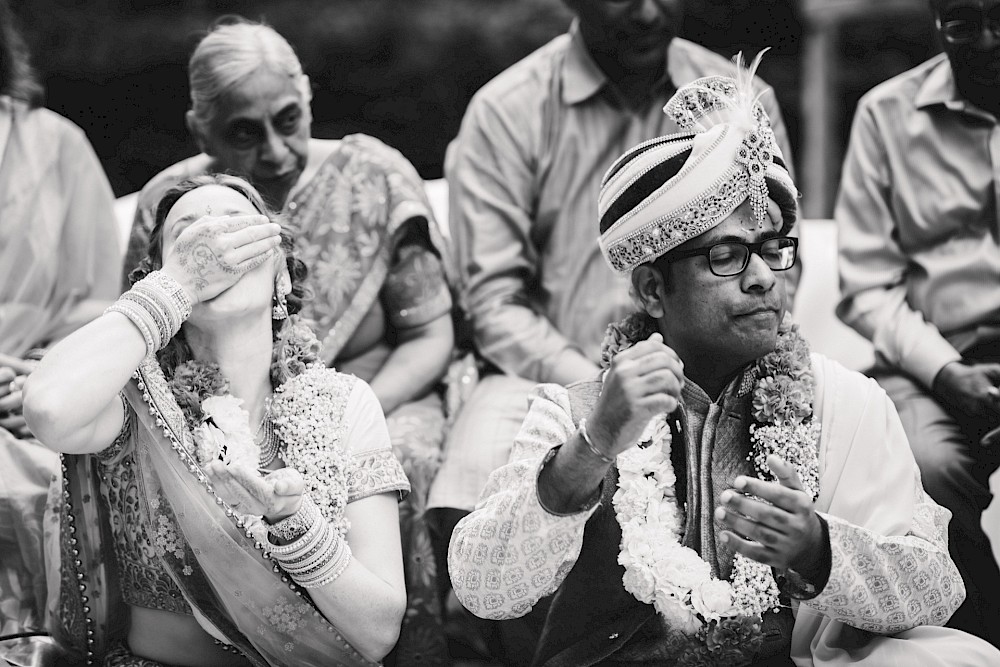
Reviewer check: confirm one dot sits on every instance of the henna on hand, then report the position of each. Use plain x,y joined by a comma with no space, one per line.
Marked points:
212,254
198,258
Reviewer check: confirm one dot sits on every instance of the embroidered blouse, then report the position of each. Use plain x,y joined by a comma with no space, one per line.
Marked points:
510,552
138,545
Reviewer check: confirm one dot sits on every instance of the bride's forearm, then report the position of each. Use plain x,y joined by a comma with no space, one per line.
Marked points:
83,312
365,609
70,399
366,598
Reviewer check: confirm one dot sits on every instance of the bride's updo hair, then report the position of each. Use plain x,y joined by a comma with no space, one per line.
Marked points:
177,351
232,51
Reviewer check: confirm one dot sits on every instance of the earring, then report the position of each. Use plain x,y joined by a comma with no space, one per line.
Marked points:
282,287
280,309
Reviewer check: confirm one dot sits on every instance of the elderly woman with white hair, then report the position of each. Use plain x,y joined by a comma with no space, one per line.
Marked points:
382,304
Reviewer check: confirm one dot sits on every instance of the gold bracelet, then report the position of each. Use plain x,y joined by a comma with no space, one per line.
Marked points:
590,444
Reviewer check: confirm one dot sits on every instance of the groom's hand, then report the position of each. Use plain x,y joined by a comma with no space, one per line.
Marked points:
643,381
773,522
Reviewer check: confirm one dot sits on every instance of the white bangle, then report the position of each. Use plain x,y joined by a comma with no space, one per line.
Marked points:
317,558
157,305
140,319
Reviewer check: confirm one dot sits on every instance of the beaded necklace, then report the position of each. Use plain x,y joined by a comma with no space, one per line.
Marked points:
266,438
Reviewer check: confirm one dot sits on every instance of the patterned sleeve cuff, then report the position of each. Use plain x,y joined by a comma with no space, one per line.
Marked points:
375,472
112,453
415,290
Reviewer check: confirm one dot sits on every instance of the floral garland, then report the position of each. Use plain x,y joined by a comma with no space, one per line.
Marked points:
304,412
659,570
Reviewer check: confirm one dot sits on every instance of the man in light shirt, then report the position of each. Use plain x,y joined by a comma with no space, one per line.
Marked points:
920,272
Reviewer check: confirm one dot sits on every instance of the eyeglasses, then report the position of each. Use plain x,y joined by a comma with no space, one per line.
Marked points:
967,29
730,259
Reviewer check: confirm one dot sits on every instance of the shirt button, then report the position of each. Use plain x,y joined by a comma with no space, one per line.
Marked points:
292,206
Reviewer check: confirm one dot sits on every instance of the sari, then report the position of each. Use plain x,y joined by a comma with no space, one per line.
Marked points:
366,231
214,556
58,256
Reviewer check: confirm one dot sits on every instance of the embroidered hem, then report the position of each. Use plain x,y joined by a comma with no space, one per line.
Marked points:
376,472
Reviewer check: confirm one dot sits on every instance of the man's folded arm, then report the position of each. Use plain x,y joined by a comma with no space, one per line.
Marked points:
511,551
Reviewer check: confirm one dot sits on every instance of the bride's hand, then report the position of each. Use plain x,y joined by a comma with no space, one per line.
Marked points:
214,252
274,496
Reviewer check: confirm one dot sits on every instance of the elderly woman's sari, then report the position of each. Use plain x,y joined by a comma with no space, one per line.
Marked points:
212,555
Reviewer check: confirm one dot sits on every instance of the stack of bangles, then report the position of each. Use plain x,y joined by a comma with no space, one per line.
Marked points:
315,554
157,305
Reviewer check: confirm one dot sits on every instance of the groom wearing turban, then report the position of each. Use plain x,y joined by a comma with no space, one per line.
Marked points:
717,495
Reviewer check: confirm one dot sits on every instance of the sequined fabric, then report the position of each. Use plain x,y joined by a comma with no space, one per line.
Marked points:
120,656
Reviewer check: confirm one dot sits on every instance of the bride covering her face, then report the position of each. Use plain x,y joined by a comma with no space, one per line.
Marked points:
252,293
290,556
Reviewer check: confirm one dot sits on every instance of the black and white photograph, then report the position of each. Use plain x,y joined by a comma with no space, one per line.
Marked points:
500,333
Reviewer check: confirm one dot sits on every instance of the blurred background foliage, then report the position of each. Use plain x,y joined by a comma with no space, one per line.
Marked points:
401,70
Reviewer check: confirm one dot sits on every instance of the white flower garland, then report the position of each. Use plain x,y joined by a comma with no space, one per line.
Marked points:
225,434
307,413
659,570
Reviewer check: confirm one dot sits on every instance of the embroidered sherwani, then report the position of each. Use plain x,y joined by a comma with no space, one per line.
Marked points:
890,570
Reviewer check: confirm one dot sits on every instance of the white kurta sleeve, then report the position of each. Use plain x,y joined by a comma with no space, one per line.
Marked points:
890,568
889,583
511,552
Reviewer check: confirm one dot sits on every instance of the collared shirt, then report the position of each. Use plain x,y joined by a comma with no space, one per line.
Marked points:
524,174
918,222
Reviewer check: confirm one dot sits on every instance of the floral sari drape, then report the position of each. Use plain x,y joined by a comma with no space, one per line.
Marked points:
348,220
216,563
